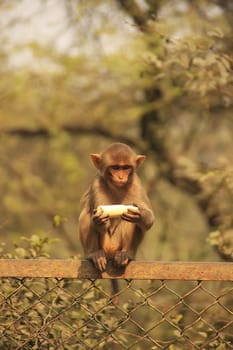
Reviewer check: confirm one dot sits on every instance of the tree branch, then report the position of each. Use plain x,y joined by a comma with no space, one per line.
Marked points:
139,16
41,132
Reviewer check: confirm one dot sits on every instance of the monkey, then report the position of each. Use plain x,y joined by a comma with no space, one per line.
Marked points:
105,238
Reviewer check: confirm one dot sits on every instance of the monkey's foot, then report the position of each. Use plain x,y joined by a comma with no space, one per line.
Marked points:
121,258
99,259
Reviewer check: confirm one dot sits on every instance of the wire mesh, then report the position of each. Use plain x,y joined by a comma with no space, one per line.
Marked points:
64,313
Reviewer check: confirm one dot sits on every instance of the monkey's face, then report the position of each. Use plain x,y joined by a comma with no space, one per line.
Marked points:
120,175
117,165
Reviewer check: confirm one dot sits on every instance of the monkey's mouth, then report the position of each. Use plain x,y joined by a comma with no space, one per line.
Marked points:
120,183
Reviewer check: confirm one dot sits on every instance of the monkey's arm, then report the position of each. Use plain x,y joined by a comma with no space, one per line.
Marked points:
88,237
100,222
91,227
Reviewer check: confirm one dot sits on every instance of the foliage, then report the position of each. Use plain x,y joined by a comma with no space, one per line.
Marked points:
158,77
29,248
223,242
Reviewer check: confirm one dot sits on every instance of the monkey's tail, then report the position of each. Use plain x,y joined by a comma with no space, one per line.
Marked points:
115,292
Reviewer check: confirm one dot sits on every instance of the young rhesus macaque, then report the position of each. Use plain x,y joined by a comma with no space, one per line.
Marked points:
116,238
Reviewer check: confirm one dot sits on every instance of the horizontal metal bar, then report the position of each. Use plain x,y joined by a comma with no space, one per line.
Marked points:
83,269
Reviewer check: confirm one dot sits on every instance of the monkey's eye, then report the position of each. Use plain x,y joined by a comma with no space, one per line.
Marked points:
121,167
115,167
126,167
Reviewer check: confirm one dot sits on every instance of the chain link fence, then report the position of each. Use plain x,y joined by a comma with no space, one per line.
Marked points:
65,305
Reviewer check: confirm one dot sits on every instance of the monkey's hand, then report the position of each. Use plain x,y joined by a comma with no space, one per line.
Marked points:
121,258
101,221
132,215
99,259
142,217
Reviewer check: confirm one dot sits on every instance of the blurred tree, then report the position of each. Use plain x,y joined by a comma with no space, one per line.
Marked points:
190,78
156,75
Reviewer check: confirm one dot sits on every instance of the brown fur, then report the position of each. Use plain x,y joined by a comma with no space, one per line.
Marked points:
103,238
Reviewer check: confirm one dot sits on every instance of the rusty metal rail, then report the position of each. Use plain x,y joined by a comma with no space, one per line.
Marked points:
67,305
68,268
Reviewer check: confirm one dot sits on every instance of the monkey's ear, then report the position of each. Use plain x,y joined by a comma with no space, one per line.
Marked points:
139,160
96,159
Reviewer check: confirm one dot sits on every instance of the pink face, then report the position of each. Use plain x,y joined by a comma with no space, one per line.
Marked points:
120,174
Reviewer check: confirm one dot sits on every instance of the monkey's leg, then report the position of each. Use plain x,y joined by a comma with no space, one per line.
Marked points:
125,254
131,238
121,258
99,259
91,241
94,250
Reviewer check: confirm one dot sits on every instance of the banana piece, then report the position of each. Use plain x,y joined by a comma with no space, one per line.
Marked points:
115,209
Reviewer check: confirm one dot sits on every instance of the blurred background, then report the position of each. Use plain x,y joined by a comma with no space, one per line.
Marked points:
77,75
